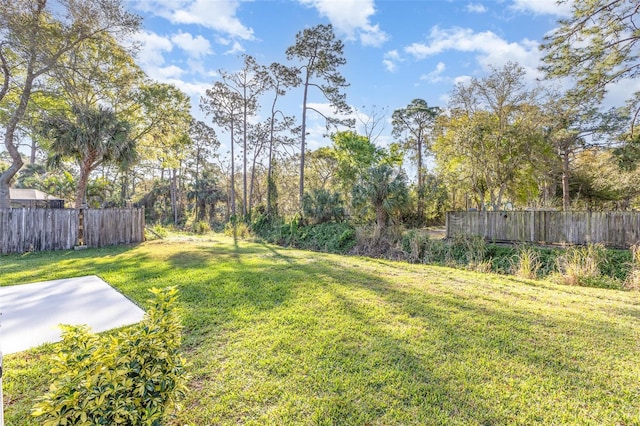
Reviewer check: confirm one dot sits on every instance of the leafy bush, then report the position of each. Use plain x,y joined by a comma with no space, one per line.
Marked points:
160,230
201,227
414,245
237,229
327,237
467,250
322,206
129,379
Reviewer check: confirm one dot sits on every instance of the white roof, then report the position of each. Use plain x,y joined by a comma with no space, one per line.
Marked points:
30,194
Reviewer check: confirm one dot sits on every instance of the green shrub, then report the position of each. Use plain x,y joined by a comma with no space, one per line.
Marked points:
132,378
159,231
467,250
414,244
327,237
200,227
237,230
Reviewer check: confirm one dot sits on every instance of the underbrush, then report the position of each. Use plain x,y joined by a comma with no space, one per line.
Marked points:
591,266
330,237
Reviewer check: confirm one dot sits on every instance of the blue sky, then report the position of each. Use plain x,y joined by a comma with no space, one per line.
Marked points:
396,50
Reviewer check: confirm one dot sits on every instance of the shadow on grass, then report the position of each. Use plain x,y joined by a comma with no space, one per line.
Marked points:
341,341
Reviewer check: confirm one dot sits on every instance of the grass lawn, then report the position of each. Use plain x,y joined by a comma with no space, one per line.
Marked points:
277,336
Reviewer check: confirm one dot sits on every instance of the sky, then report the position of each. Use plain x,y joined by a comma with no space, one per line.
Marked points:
396,50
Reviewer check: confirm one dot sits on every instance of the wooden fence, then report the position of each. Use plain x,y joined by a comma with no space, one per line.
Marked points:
32,229
613,229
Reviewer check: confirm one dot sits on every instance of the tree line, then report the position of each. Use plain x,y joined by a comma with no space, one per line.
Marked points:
82,121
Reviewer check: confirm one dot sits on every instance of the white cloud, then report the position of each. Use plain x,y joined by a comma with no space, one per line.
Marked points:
543,7
219,15
391,59
196,47
165,73
475,8
194,89
236,48
435,76
491,50
351,18
152,48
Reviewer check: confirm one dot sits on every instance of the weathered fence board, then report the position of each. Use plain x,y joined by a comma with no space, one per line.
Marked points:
614,229
33,229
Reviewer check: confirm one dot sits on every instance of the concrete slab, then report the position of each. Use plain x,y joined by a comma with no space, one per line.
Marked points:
31,313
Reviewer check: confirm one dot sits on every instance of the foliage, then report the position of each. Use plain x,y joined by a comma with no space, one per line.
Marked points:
380,194
91,137
321,206
160,230
320,54
353,154
133,378
330,237
581,266
37,38
632,282
283,336
492,134
415,125
200,227
597,45
237,229
526,263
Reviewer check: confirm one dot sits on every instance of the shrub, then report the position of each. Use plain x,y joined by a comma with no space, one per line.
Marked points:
129,379
414,244
467,250
526,263
581,265
327,237
201,227
160,231
237,230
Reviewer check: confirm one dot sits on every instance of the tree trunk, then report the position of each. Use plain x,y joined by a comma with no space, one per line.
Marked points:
381,221
244,158
566,198
304,137
81,195
174,196
420,188
9,135
233,177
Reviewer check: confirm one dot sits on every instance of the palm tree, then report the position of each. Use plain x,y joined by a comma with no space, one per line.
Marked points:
91,137
383,189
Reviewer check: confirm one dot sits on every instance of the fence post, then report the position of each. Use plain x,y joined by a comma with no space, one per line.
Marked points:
446,224
81,227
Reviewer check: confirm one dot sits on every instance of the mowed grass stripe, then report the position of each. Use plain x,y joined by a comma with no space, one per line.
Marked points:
279,336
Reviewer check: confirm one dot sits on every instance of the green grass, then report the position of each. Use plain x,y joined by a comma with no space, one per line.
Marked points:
278,336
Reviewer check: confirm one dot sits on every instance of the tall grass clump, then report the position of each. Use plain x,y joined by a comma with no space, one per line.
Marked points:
470,251
632,282
526,263
581,266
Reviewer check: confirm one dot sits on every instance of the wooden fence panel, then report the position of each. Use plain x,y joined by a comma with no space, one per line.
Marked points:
614,229
33,229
